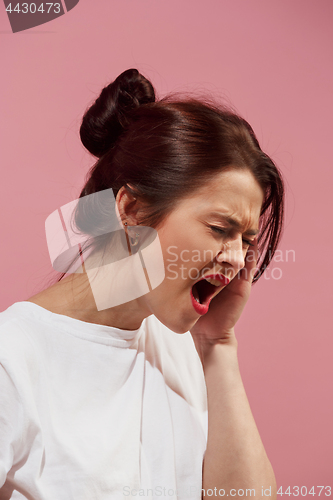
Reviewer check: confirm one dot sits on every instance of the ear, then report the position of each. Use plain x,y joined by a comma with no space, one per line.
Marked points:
128,207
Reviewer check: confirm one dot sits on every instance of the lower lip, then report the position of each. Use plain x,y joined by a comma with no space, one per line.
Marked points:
200,308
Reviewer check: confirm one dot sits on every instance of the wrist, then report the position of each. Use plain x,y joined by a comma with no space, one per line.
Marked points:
220,353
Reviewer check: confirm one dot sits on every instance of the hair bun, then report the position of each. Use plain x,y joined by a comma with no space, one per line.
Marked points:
106,119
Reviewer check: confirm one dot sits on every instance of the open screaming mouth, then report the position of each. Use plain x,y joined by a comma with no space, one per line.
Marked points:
204,289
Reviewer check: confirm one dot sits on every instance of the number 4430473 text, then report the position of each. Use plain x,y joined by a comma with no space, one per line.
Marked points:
303,491
32,8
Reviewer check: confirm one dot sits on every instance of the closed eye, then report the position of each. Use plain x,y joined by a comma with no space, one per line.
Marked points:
223,232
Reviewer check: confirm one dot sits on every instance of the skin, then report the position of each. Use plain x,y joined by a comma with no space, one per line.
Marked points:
235,457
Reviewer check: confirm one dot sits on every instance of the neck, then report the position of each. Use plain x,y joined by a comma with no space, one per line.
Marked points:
73,297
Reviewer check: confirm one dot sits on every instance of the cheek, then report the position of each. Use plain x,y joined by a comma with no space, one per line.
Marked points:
186,249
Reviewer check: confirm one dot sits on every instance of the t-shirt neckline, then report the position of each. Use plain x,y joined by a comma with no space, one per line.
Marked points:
89,331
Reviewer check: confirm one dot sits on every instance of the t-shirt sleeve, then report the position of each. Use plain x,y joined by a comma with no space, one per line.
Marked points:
11,424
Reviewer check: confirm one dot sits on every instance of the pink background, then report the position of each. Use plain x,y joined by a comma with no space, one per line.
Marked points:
273,60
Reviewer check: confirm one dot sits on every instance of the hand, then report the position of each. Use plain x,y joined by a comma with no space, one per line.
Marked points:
217,326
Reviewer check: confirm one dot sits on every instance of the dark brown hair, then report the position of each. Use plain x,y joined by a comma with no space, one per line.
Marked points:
163,151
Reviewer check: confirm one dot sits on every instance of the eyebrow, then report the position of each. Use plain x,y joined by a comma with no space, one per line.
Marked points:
235,223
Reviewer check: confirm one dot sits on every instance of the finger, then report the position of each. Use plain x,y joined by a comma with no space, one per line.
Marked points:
251,259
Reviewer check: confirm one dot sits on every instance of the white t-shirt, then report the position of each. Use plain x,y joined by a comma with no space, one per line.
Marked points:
91,412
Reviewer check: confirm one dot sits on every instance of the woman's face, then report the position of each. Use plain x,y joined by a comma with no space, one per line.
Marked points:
207,234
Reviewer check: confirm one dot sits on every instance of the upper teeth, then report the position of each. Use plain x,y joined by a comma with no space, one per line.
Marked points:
212,281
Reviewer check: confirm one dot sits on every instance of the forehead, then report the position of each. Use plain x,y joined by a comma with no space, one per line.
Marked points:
232,185
234,193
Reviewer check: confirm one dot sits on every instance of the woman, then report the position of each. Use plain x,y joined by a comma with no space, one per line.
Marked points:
109,400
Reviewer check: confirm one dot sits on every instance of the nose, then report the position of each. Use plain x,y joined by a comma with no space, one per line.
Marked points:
232,255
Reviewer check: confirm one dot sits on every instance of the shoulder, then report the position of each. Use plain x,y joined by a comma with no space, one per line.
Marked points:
13,325
17,351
